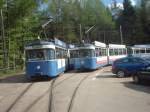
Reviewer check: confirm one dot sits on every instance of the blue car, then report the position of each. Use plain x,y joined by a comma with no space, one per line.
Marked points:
128,66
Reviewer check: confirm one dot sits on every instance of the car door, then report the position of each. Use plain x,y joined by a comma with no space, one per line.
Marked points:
136,64
123,64
128,65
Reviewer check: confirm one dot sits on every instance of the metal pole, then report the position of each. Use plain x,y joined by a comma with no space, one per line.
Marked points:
121,38
14,61
80,33
104,37
3,40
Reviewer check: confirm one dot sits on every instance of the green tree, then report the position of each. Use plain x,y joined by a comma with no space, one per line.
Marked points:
86,12
21,19
128,19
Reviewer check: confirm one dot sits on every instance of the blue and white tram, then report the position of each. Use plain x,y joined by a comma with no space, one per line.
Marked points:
44,58
81,57
88,56
116,51
142,51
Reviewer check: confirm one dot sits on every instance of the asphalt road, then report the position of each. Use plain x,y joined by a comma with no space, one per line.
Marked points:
97,91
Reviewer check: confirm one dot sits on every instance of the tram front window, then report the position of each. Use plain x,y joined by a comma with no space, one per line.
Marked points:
85,53
40,54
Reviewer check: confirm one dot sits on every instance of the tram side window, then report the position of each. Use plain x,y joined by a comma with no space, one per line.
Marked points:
62,53
97,52
119,51
72,54
124,51
142,51
116,51
58,53
137,51
65,54
111,52
93,53
148,50
103,52
50,54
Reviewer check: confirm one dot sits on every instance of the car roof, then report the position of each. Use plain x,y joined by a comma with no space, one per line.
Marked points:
129,58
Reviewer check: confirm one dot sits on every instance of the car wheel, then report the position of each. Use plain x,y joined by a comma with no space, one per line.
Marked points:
120,74
136,79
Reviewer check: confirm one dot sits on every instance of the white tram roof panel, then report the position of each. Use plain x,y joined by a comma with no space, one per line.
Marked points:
40,47
38,44
142,46
99,44
86,46
83,46
116,46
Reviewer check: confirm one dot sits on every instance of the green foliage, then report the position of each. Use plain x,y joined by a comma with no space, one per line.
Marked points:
87,13
21,20
135,22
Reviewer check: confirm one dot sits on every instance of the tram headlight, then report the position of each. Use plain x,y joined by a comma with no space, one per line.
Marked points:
38,67
82,62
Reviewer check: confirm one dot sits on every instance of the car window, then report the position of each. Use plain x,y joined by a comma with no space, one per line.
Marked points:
137,60
123,61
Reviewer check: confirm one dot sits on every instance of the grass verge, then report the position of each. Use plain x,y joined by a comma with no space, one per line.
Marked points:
7,73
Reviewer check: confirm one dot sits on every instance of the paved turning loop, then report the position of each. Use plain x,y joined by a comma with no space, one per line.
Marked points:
75,93
53,85
19,97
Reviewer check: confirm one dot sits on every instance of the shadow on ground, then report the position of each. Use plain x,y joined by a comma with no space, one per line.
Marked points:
21,78
106,76
144,87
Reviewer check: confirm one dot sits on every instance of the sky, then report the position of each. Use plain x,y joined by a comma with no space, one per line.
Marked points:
108,2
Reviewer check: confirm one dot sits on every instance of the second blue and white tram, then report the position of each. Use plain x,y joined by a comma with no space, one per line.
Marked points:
44,58
88,56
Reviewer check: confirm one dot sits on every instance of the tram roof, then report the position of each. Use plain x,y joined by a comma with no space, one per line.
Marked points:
84,46
99,44
38,44
142,46
117,46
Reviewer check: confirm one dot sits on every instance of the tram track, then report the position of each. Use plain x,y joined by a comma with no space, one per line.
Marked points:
19,97
51,97
71,103
50,91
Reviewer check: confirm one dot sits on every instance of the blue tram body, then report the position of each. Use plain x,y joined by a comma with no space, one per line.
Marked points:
45,58
88,56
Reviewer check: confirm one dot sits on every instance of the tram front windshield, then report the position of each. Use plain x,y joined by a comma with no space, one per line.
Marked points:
40,54
82,53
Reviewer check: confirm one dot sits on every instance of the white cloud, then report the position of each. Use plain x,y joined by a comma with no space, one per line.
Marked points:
133,2
119,5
